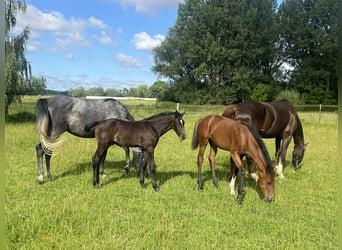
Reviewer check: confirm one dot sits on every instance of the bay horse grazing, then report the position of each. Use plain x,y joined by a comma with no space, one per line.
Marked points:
277,120
144,134
59,114
240,140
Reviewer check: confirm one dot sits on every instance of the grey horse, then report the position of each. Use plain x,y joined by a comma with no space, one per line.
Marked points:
59,114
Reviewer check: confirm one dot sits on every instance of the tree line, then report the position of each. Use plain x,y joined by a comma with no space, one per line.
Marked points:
228,51
219,52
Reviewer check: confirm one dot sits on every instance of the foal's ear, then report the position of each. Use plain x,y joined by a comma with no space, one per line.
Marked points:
182,114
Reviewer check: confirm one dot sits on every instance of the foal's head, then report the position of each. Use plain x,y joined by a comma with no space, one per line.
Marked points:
298,155
178,125
266,184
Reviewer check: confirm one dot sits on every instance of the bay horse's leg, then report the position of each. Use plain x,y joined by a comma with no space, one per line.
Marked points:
233,173
103,158
281,154
212,155
128,160
47,161
251,168
199,164
40,170
237,160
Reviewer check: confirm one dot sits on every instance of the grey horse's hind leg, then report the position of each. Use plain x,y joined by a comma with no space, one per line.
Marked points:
40,170
128,161
47,160
104,175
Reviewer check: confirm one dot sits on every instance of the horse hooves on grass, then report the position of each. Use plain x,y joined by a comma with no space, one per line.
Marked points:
156,189
97,186
40,182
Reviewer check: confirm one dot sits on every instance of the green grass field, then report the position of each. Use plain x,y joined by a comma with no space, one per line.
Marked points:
69,213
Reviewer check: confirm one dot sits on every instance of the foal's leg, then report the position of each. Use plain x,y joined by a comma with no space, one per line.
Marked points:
104,175
251,168
233,173
199,164
149,156
212,155
237,160
40,170
98,156
142,172
128,161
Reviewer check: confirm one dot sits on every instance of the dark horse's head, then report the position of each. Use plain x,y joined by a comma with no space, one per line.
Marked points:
178,125
298,155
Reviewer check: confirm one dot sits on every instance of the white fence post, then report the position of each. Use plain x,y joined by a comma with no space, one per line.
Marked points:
320,110
177,106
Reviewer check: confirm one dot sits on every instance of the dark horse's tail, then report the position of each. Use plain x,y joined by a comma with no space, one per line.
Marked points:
44,124
194,143
262,146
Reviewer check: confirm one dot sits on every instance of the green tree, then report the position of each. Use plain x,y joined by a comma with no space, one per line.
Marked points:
96,91
77,92
308,38
142,90
217,46
112,92
17,68
36,86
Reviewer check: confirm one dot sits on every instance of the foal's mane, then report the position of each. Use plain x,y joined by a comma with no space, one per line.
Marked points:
153,117
262,146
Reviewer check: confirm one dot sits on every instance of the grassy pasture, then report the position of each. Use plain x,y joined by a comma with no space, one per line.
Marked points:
69,213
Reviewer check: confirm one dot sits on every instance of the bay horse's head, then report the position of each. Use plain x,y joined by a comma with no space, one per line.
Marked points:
266,184
178,125
298,155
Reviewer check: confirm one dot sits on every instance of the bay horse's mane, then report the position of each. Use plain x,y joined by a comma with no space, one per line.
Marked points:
262,146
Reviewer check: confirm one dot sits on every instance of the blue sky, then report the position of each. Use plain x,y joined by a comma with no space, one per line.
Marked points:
95,43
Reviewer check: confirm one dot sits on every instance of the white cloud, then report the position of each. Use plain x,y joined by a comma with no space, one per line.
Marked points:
149,6
96,23
65,32
106,39
143,41
127,61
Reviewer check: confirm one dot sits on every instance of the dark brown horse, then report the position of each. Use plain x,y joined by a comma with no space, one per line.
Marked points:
144,134
277,120
240,140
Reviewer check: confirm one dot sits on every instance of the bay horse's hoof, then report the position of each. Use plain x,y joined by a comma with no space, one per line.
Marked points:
143,186
97,186
156,189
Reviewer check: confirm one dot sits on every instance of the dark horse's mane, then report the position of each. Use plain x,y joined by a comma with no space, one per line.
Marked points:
262,145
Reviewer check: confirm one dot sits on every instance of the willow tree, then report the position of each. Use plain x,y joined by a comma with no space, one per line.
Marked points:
17,68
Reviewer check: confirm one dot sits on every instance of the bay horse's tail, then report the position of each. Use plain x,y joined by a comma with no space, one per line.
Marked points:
262,146
43,125
230,111
194,143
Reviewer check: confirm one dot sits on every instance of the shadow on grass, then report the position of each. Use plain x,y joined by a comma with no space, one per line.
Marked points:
21,117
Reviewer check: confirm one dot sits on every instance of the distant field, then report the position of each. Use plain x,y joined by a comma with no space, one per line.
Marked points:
68,213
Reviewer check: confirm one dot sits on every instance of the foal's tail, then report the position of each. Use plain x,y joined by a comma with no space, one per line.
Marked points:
43,125
194,143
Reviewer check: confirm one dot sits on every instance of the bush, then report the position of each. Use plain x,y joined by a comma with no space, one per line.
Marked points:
292,96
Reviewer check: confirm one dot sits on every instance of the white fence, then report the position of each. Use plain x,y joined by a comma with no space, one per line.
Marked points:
121,98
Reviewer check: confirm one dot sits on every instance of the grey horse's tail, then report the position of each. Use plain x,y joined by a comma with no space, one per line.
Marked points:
43,125
194,143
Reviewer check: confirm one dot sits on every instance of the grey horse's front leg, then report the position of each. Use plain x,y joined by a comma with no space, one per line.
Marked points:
47,161
40,170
